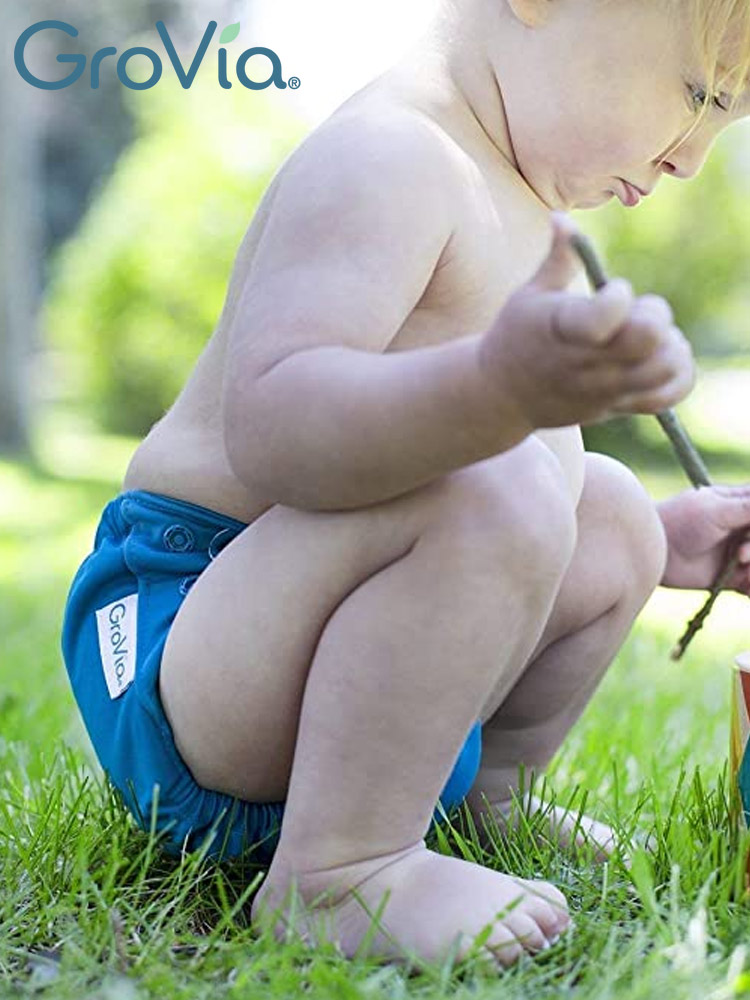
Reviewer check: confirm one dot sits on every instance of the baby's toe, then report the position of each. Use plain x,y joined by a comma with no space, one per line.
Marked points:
550,919
504,946
527,931
545,892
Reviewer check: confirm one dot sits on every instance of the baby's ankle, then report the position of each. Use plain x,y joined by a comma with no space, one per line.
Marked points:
334,880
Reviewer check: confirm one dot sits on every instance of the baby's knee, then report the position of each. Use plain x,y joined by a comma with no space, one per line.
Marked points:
615,495
517,502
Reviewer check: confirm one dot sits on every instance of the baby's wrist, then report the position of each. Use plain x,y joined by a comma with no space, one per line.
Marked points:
503,405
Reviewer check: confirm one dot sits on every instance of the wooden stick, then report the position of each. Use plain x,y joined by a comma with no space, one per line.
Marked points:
687,456
696,623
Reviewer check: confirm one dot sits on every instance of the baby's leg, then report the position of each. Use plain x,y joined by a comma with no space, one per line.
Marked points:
391,651
619,560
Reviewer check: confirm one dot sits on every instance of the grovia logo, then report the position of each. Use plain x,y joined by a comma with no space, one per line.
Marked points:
185,77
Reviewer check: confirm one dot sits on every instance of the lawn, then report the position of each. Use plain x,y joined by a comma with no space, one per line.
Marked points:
90,908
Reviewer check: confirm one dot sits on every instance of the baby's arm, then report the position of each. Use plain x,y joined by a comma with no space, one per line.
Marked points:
314,411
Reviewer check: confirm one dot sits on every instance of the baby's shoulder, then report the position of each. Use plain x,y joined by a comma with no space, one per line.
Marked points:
380,142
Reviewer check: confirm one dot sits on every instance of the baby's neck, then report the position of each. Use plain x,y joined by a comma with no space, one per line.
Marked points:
448,75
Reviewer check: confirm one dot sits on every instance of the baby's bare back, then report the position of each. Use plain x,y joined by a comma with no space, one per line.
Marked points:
495,237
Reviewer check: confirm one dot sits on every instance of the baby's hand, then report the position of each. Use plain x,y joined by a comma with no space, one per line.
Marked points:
574,359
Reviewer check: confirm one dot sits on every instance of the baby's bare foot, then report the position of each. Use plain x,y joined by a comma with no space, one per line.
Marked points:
428,906
562,825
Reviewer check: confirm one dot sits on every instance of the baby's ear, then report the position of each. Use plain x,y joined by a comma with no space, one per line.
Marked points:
532,13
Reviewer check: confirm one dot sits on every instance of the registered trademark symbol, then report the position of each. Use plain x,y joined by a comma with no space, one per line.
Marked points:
294,82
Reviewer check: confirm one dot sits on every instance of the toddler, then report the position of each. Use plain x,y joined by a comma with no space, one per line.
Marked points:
363,568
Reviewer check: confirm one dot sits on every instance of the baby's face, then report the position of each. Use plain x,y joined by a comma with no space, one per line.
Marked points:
599,93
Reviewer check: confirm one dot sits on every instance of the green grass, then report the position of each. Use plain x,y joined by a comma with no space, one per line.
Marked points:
89,907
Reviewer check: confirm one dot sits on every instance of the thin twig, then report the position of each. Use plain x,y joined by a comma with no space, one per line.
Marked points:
696,623
689,458
684,449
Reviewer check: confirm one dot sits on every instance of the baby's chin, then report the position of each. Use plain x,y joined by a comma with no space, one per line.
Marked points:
595,202
573,202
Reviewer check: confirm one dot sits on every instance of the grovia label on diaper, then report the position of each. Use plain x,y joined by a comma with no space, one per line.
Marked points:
116,624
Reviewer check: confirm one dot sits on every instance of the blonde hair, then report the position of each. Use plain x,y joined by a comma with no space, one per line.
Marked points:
715,24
